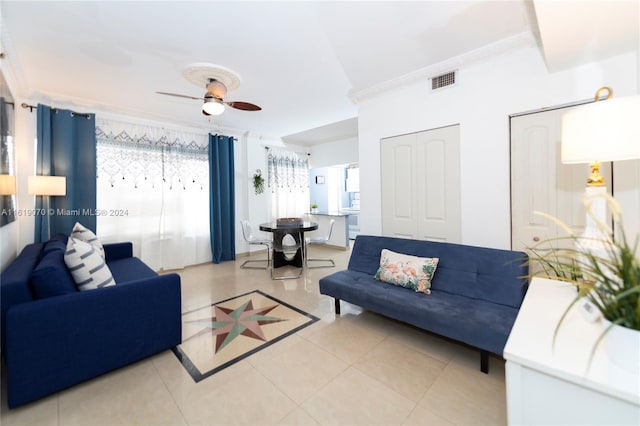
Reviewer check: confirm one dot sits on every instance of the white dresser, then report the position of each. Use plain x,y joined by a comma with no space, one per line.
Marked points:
554,385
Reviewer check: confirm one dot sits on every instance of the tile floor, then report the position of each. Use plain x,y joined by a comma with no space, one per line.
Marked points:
355,369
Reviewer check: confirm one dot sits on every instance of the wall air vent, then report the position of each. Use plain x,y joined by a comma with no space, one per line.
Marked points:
443,80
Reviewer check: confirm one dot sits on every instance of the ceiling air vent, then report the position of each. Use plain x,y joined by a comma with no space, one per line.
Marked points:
443,80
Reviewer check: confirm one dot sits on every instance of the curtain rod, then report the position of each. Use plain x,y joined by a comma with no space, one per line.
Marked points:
233,139
32,107
296,152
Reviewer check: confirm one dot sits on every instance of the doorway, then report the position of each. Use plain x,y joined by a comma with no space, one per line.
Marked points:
540,182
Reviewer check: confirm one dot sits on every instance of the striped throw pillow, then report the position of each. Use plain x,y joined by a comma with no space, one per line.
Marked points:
79,232
87,267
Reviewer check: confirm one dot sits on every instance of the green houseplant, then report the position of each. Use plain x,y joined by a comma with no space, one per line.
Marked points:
258,182
609,277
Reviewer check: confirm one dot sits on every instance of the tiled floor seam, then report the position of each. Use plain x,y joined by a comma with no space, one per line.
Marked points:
275,385
173,398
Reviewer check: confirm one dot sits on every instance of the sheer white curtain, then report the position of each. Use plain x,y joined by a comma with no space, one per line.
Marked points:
288,178
153,190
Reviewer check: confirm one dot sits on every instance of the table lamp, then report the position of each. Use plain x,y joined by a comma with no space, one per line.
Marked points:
7,185
605,130
47,186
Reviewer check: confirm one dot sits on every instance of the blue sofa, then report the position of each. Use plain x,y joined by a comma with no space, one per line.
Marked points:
475,295
54,336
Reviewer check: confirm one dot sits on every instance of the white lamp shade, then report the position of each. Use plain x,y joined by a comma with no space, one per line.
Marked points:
213,106
606,130
47,185
7,185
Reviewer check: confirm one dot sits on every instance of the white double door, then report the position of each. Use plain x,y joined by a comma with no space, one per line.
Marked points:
541,183
421,185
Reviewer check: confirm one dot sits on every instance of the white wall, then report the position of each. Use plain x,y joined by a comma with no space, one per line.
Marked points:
334,153
256,208
26,129
12,236
627,194
15,236
484,96
8,244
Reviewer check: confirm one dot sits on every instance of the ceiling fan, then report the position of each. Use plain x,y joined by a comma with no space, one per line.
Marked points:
214,99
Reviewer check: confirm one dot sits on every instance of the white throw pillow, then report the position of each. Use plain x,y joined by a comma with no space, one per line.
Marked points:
87,267
81,233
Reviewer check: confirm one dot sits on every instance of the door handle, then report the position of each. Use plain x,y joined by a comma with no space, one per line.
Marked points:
536,238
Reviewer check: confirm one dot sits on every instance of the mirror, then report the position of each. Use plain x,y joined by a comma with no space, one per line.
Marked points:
7,146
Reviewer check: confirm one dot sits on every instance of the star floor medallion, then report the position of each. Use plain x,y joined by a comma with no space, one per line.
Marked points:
228,324
219,335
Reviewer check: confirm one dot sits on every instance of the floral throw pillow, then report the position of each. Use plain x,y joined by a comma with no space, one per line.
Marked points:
407,271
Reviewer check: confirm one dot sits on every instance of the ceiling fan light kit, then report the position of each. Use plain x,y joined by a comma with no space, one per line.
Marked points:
212,106
217,81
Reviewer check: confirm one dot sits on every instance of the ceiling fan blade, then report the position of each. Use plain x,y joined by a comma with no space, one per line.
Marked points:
245,106
178,95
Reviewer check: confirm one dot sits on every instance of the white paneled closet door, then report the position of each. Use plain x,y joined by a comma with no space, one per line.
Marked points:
421,185
398,180
540,182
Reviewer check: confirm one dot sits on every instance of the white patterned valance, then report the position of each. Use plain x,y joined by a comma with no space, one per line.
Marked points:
287,169
132,154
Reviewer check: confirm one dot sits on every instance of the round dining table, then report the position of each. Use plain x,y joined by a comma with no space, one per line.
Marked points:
283,247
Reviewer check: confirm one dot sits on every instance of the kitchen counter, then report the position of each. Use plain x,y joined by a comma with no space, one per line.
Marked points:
339,235
334,213
353,221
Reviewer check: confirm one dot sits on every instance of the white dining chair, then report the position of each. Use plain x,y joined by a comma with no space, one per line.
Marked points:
319,240
247,233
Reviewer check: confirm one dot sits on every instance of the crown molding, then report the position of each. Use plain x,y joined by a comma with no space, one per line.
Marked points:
523,39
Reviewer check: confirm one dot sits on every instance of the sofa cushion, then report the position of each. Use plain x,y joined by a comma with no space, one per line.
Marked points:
488,274
481,324
60,237
14,284
51,277
81,233
52,245
87,266
407,271
130,269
